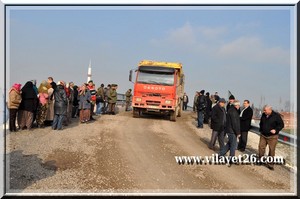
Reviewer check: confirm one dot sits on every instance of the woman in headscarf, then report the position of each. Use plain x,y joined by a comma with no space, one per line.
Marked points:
43,104
36,101
27,106
60,106
84,104
75,102
50,109
13,105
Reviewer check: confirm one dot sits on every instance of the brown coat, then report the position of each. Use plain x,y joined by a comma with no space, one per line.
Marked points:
50,110
14,99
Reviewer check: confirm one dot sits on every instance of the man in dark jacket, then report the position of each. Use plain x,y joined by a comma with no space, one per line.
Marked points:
232,129
230,102
245,121
208,108
60,106
201,106
218,121
216,96
269,127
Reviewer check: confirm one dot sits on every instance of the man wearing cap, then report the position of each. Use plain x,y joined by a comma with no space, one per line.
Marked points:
233,130
218,122
201,107
106,96
230,102
92,89
100,99
112,99
216,96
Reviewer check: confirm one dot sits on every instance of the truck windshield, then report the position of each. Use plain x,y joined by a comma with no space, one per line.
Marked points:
155,78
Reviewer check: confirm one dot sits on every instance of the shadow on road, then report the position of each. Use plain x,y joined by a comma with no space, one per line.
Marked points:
24,170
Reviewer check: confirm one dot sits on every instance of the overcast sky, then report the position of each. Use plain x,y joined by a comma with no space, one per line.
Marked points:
246,50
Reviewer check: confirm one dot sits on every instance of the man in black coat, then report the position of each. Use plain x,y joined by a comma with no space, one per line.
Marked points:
245,121
269,127
208,108
201,106
218,121
230,102
232,129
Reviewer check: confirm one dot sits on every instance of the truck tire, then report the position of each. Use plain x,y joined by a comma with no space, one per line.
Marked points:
180,109
173,115
136,113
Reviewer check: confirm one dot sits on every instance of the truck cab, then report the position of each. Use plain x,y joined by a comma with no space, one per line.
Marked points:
158,89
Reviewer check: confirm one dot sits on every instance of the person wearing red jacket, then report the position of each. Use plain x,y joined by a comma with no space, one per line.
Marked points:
92,89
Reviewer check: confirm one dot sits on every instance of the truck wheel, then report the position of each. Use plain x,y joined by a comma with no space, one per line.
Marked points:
136,113
173,116
180,109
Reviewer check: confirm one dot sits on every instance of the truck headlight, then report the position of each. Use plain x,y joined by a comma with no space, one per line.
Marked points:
168,102
138,99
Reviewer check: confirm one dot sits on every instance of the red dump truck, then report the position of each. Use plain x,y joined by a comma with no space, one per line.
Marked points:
158,89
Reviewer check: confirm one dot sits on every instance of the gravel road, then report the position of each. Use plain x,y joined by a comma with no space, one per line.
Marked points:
122,154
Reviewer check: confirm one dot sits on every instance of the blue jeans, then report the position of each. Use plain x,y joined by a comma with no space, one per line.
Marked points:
98,109
231,145
57,122
200,118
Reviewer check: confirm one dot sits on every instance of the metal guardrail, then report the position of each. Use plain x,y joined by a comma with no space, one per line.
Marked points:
284,137
121,99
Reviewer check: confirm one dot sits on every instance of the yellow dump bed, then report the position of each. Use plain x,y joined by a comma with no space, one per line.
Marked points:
164,64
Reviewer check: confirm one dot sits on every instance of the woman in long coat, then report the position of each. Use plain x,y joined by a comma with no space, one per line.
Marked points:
13,105
50,110
60,106
28,106
84,104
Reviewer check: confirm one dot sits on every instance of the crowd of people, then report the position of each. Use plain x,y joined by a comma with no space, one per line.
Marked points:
54,104
234,121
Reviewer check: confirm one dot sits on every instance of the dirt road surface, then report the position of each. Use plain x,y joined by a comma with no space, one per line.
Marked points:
122,154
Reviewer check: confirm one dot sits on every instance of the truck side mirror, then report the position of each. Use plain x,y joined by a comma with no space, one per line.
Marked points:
130,75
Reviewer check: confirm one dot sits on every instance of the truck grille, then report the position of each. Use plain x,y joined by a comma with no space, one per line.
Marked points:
154,94
153,103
